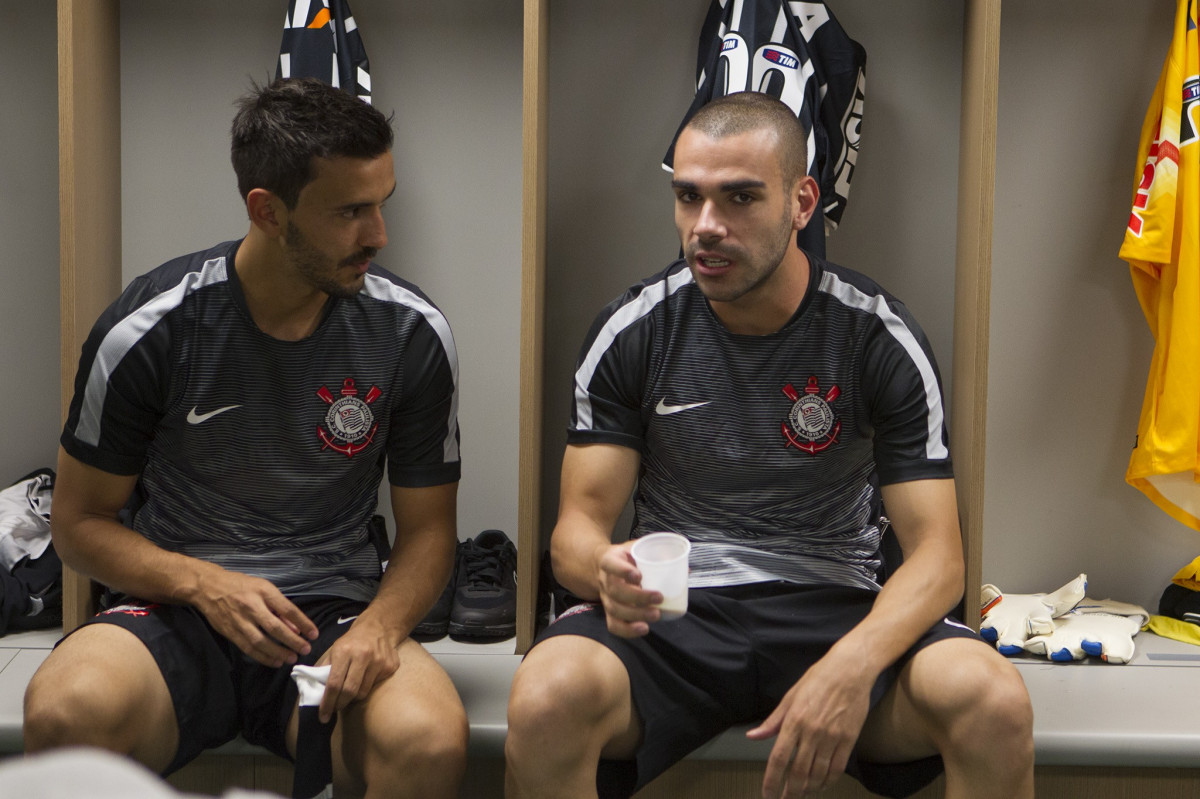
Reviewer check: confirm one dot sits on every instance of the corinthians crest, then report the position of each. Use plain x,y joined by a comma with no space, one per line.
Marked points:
810,425
349,423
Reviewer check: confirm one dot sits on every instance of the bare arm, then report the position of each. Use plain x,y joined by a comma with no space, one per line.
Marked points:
820,718
422,555
418,568
924,515
249,611
597,481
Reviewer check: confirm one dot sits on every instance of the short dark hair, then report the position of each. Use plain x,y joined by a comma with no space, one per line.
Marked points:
746,111
279,129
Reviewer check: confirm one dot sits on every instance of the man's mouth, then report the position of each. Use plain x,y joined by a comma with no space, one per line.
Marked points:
360,261
711,263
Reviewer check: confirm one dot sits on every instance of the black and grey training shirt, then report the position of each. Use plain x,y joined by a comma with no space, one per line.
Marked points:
261,455
766,451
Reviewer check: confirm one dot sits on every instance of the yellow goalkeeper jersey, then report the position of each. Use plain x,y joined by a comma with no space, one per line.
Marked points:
1162,248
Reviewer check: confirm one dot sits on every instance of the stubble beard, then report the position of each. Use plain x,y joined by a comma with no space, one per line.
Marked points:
757,276
317,270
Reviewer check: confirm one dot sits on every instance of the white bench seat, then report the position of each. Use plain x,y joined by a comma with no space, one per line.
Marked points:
1142,714
1145,713
481,672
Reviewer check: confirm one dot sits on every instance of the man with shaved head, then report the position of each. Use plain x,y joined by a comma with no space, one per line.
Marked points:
769,406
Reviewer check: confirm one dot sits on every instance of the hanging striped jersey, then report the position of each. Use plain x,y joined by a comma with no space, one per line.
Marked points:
322,40
798,53
265,456
766,451
1162,246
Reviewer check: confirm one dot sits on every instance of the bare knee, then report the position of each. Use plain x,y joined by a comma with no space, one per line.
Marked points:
543,700
983,712
65,710
414,747
565,700
101,687
1004,712
538,702
429,737
48,722
567,707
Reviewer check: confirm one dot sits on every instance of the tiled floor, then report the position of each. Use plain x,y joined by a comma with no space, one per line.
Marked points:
20,655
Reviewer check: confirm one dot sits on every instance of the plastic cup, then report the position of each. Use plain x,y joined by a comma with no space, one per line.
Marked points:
662,558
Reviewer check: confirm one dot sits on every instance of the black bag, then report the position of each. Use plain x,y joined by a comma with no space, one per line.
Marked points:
31,591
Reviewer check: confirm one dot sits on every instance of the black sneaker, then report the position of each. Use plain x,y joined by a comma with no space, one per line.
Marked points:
485,604
437,620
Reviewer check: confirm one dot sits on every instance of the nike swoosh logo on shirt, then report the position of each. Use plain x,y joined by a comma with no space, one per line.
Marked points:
197,418
344,619
664,409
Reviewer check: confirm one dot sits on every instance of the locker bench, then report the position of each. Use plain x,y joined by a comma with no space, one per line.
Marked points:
1142,715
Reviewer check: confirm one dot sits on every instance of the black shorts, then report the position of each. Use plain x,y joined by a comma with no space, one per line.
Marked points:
729,661
217,690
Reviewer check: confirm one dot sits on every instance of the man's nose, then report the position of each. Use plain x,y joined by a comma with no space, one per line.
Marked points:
709,223
374,233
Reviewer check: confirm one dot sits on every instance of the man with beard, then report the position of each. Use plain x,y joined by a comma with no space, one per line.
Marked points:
219,469
767,404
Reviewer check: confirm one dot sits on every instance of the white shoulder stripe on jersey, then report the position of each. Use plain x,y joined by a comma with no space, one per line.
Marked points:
877,305
126,334
625,316
383,289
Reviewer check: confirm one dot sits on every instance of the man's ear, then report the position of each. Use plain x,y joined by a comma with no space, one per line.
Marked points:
267,212
806,194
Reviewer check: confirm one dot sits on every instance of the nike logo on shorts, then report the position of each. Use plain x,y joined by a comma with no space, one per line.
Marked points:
954,623
346,619
198,418
575,610
663,409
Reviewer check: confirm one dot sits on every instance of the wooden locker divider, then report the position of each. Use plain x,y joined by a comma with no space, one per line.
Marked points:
89,133
533,294
973,280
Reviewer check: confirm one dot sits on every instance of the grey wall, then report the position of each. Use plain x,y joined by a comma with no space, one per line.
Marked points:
621,78
451,73
29,380
900,224
1070,349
